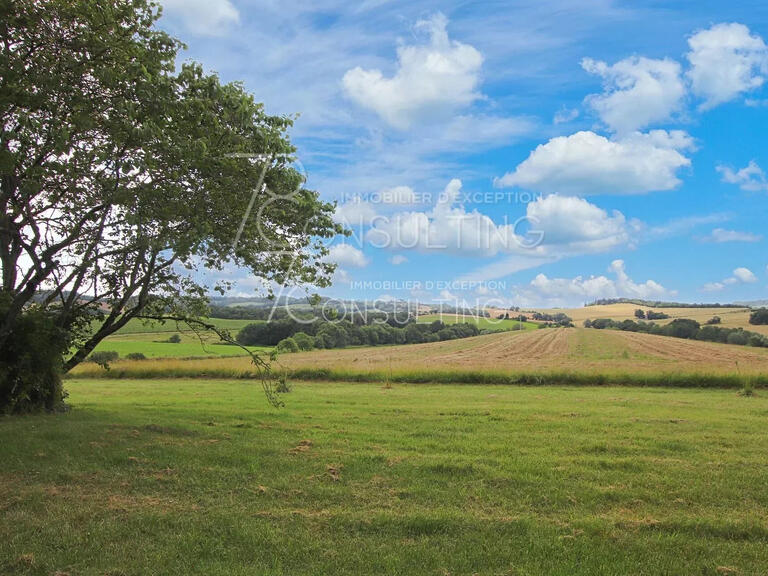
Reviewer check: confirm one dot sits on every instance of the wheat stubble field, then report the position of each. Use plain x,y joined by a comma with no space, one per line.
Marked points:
559,350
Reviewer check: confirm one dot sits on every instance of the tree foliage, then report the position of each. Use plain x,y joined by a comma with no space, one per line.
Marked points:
121,177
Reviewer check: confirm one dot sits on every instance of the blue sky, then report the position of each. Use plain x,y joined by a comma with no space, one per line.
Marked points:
527,153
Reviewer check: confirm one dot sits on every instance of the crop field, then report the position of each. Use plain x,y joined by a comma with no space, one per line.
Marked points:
730,317
492,323
203,477
579,351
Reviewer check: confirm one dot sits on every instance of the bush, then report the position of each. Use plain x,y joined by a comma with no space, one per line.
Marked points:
738,337
174,339
651,315
640,314
103,358
759,317
287,345
714,320
304,341
135,356
31,364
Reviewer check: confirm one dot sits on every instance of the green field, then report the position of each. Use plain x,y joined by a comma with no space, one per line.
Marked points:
203,477
482,322
151,338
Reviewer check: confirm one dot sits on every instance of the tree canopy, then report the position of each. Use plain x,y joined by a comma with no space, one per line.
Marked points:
121,176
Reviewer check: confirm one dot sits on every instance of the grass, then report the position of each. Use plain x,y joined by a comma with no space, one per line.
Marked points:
482,323
203,477
151,338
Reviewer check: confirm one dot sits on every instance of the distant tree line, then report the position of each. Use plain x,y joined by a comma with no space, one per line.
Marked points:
558,319
291,336
657,303
684,328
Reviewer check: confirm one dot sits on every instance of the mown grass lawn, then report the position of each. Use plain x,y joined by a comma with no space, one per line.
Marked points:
203,477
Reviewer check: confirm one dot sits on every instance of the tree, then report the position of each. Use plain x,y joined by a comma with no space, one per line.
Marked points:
640,314
759,317
120,177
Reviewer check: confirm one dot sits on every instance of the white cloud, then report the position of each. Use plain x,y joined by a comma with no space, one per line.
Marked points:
203,17
586,163
577,226
553,226
347,255
355,213
430,80
398,259
565,115
579,289
751,178
638,92
740,276
726,60
721,235
398,195
745,275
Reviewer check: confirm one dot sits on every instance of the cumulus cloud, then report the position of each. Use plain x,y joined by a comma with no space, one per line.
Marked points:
347,255
553,226
586,163
726,60
721,235
398,259
740,276
431,79
203,17
751,178
578,226
638,92
355,213
580,289
397,195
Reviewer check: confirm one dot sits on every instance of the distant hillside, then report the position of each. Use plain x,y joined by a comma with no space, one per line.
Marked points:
662,304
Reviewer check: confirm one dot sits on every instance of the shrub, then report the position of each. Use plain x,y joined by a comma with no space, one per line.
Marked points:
714,320
640,314
738,337
759,317
135,356
651,315
288,345
682,328
304,341
174,339
30,365
103,358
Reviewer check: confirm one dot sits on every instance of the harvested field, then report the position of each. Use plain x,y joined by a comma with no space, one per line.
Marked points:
576,350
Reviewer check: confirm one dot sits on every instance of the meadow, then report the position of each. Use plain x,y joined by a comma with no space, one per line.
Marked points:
151,339
204,477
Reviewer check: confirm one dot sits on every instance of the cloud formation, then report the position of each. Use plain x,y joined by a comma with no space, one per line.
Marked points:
347,256
586,163
561,291
751,178
726,60
721,236
431,80
638,92
203,17
740,276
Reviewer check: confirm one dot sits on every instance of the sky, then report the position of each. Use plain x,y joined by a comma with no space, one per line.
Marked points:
516,153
